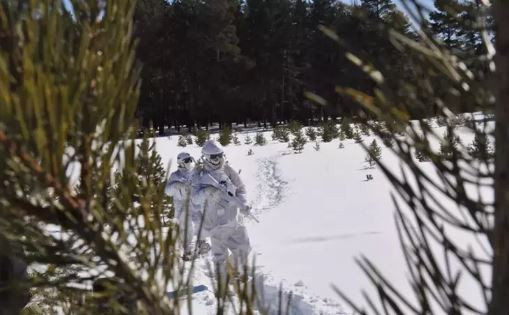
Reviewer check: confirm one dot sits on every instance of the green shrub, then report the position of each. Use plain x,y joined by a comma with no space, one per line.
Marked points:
311,133
294,127
298,142
281,134
201,137
329,131
260,139
225,136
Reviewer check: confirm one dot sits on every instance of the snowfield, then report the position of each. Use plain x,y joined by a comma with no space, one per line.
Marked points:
317,213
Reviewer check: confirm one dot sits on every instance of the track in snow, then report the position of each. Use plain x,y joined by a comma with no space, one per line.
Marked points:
270,188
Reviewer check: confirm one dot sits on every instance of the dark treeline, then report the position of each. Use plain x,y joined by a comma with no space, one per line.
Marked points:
238,61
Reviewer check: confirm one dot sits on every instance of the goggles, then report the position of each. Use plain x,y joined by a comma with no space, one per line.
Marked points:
216,156
187,160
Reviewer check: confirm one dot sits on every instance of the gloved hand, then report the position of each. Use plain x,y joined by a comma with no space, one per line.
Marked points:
228,187
245,210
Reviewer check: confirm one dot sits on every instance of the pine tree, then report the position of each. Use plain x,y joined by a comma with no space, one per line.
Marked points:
201,137
247,139
235,139
364,128
374,154
449,145
346,128
282,134
298,142
189,139
260,139
445,21
357,137
294,127
481,148
70,98
317,146
182,141
225,136
311,133
329,131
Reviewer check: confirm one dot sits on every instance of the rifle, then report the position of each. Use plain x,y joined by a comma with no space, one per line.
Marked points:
229,196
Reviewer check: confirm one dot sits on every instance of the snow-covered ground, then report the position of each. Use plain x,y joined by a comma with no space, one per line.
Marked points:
317,213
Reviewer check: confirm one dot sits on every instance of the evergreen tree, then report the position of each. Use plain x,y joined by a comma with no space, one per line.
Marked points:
235,139
364,128
329,131
298,142
357,136
481,148
311,133
247,140
445,21
374,154
201,137
281,134
182,142
449,145
225,136
346,129
260,139
294,127
70,98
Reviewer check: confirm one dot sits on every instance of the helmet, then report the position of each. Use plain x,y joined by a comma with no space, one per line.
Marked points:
185,160
213,154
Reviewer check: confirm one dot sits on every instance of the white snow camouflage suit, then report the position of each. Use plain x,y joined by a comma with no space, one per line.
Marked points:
210,189
179,187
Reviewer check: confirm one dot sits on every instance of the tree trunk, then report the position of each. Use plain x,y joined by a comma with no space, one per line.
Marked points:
500,277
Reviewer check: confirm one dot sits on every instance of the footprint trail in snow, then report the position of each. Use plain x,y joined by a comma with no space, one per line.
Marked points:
270,188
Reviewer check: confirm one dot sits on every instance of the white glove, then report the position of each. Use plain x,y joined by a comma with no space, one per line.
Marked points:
245,210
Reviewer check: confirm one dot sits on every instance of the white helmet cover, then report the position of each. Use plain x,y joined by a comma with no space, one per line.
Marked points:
212,147
183,160
213,154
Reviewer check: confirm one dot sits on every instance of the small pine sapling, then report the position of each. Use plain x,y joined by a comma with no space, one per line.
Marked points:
182,142
364,128
225,136
311,133
341,145
260,139
374,154
294,127
342,136
298,142
449,145
329,131
235,139
201,137
481,148
189,139
250,152
357,137
248,140
317,146
422,150
281,134
346,128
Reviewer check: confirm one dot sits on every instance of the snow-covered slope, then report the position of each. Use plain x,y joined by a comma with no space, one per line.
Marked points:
317,213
